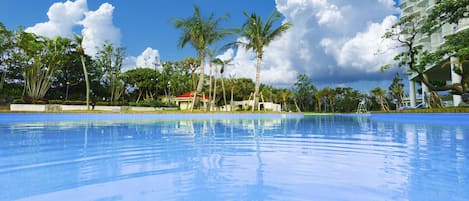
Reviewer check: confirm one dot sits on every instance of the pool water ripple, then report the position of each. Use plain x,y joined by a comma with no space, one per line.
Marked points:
334,157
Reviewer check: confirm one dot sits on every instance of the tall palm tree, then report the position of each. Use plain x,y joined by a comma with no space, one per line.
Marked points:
223,64
79,41
284,94
380,93
200,32
260,35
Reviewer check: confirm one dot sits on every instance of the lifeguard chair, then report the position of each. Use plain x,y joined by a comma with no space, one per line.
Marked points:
362,107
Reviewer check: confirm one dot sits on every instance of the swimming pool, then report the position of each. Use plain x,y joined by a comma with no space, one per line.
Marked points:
234,157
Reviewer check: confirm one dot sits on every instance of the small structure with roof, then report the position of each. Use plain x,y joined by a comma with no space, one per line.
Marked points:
184,101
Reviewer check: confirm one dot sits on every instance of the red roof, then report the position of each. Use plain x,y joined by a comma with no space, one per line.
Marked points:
190,94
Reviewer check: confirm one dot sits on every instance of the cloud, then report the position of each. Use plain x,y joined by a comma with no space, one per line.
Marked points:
97,25
361,51
62,18
332,41
99,28
147,59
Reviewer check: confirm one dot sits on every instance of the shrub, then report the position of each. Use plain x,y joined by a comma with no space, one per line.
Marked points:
56,102
100,103
18,101
74,102
41,102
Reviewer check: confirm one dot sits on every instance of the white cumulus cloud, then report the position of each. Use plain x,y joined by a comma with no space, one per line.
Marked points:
332,41
97,25
63,16
362,51
147,59
98,28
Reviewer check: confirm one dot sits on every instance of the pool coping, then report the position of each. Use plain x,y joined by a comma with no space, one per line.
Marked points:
15,117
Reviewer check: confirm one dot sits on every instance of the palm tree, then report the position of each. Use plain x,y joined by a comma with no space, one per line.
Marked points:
319,96
79,40
232,83
223,64
200,33
284,94
260,35
380,93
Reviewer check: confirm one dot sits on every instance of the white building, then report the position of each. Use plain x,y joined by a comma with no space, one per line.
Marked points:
246,105
431,43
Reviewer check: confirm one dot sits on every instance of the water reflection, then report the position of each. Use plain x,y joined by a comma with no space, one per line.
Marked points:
362,157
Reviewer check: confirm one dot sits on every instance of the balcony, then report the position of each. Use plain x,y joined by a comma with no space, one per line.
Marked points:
422,4
408,10
462,25
403,4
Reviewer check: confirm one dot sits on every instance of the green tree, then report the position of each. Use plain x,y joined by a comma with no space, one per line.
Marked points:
243,88
260,34
193,64
319,96
304,89
110,59
143,79
179,74
284,95
39,58
200,32
396,89
380,94
329,93
5,46
412,56
446,12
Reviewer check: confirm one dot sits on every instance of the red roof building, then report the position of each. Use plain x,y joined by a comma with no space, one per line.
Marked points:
184,101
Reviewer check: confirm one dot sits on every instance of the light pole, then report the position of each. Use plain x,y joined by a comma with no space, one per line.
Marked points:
169,92
66,91
156,87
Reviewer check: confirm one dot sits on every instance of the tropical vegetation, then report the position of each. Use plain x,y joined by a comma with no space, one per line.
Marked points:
36,69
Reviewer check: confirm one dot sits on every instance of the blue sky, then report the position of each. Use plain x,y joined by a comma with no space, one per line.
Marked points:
335,42
142,23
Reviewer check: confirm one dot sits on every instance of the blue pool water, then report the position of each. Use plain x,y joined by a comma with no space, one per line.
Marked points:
237,157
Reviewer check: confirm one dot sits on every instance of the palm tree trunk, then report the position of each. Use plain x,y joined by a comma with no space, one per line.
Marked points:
201,79
2,80
215,86
85,72
296,105
223,87
231,103
210,86
258,83
139,95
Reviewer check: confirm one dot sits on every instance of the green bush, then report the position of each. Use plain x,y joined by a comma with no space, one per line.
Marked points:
100,103
74,102
56,102
40,102
18,101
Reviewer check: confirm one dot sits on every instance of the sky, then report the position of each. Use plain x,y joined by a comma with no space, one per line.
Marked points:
334,42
